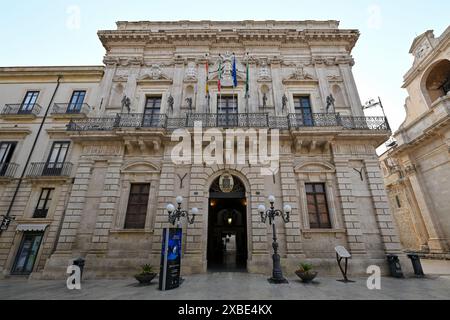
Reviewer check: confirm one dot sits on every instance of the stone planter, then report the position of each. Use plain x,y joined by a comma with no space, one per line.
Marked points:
145,279
306,277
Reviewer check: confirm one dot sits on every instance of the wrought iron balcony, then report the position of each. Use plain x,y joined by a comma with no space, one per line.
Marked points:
70,109
50,169
21,109
8,170
241,120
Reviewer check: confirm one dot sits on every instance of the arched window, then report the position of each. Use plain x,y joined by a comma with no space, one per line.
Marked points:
437,81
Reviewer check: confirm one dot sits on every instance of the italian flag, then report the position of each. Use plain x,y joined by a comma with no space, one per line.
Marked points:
219,83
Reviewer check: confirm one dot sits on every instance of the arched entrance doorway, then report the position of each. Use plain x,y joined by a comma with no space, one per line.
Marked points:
227,225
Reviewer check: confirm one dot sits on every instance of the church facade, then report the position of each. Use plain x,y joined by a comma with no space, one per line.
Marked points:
417,167
91,155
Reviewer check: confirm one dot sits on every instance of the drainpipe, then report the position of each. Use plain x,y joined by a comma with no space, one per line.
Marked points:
41,126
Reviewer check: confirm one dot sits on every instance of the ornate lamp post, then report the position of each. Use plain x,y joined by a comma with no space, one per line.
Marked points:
175,214
271,214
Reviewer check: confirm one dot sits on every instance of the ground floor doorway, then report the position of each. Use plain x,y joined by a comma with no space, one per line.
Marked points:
227,228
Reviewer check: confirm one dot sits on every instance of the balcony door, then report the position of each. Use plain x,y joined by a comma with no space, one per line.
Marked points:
29,101
76,102
56,159
227,111
303,111
6,153
26,256
152,112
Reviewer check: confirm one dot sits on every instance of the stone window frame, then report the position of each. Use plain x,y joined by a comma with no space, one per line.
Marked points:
326,176
311,91
144,93
137,177
225,91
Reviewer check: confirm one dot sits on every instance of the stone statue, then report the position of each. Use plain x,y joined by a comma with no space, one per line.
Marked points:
264,98
126,103
330,102
284,102
300,74
170,102
189,103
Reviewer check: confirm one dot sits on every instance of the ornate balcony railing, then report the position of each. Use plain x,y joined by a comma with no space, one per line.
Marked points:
50,169
70,108
241,120
8,170
21,109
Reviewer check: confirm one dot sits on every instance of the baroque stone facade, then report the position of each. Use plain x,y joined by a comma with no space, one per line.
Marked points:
417,168
105,149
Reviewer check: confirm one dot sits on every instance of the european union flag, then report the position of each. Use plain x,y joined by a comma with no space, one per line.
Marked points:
234,74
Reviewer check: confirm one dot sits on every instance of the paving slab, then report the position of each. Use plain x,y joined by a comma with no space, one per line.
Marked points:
230,286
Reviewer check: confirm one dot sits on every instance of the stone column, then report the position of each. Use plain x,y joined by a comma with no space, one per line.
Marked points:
435,243
386,225
290,196
75,206
278,87
130,89
323,84
105,87
107,207
350,214
350,86
177,87
166,194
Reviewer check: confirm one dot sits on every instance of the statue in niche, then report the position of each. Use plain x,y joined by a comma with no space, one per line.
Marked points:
264,99
284,102
330,102
189,103
170,102
126,103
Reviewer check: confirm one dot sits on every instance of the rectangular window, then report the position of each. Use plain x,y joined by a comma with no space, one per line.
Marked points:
6,153
137,206
152,112
29,101
76,102
319,217
56,159
303,110
43,204
227,111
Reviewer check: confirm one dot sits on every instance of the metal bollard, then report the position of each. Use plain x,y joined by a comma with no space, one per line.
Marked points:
417,266
80,262
394,266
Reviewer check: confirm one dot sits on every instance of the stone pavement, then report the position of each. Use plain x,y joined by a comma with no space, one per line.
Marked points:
231,286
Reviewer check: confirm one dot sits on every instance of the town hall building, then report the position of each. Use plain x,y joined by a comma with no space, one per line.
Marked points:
87,167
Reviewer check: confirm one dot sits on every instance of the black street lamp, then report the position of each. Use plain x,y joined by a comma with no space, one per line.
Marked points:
175,214
271,214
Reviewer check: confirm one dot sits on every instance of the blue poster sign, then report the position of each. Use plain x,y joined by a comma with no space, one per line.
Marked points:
170,259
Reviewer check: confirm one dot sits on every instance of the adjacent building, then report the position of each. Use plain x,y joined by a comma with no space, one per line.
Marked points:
417,166
87,152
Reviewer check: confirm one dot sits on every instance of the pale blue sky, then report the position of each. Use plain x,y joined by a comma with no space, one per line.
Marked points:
40,32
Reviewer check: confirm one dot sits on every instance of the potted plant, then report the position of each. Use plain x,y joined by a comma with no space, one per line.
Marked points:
147,275
306,273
